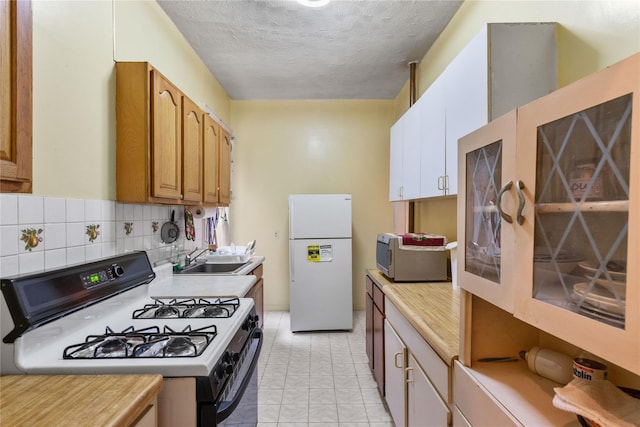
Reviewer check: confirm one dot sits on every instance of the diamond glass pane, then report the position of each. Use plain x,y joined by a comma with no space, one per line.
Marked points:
484,175
582,204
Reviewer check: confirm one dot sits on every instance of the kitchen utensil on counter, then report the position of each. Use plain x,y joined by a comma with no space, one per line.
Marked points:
189,227
250,247
170,230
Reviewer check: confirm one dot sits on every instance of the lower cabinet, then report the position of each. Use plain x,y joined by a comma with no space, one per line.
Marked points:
149,418
417,381
374,331
395,385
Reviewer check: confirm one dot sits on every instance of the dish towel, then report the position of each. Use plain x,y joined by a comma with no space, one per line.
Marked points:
599,401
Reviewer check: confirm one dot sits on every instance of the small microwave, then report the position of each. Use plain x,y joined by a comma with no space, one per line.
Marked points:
409,263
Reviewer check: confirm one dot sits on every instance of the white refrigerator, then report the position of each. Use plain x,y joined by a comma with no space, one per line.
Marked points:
320,288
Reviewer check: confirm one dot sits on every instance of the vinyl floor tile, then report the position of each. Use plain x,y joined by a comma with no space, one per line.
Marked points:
317,379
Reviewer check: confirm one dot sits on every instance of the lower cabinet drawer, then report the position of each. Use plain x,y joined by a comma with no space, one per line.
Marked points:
477,407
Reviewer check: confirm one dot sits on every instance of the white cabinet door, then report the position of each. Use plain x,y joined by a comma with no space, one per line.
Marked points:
411,152
467,95
432,137
424,406
395,161
395,354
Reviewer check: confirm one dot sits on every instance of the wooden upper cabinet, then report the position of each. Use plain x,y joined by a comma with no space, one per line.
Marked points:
225,167
168,151
15,96
166,147
210,160
192,151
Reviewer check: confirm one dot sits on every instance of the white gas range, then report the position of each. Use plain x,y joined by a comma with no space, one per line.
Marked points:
97,318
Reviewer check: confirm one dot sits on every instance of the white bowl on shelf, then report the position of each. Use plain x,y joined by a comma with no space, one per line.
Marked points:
618,288
591,269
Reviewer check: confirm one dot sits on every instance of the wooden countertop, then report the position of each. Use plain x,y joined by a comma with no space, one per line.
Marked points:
433,308
76,400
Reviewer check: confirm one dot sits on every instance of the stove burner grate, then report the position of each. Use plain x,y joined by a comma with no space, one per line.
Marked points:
141,343
189,308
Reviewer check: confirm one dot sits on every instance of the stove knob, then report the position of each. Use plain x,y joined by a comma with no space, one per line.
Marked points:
235,356
117,270
226,357
223,369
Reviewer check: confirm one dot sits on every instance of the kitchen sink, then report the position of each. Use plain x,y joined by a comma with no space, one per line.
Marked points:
207,268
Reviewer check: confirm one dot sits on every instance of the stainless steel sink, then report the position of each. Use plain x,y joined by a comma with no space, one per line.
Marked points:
206,268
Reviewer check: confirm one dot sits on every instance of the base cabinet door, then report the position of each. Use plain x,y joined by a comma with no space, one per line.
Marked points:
424,406
395,356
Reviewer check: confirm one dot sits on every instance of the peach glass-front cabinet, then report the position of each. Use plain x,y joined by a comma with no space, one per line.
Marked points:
549,227
487,173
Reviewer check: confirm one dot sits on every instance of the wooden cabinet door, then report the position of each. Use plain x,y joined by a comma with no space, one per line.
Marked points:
15,96
225,167
211,159
395,358
378,348
192,151
166,146
369,309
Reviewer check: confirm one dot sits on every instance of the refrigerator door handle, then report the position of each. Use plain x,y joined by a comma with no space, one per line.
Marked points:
291,264
291,219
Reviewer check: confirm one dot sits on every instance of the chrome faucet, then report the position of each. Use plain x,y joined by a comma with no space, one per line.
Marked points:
188,259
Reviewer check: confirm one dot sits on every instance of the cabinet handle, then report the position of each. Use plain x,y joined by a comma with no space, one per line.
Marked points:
519,188
395,359
503,214
446,183
406,372
440,183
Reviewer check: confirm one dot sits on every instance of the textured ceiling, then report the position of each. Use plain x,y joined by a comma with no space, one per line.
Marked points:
353,49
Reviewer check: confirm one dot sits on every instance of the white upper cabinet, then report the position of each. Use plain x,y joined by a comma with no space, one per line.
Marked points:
432,150
503,67
411,152
404,168
395,163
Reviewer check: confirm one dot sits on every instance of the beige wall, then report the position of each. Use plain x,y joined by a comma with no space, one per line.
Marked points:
289,147
591,36
75,45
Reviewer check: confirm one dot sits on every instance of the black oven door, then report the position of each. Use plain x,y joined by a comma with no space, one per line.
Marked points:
238,403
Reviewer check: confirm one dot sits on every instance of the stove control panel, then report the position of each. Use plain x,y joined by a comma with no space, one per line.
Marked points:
96,278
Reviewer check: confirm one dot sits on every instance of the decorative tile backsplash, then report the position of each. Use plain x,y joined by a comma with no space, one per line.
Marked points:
43,233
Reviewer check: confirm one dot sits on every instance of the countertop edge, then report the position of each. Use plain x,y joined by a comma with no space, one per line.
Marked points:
446,347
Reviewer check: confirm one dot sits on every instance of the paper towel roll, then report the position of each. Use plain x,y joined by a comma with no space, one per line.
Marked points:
198,212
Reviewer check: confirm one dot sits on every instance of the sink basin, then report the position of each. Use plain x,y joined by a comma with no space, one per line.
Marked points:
228,259
206,268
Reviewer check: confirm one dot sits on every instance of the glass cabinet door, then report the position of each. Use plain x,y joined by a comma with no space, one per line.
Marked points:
577,155
486,244
581,211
